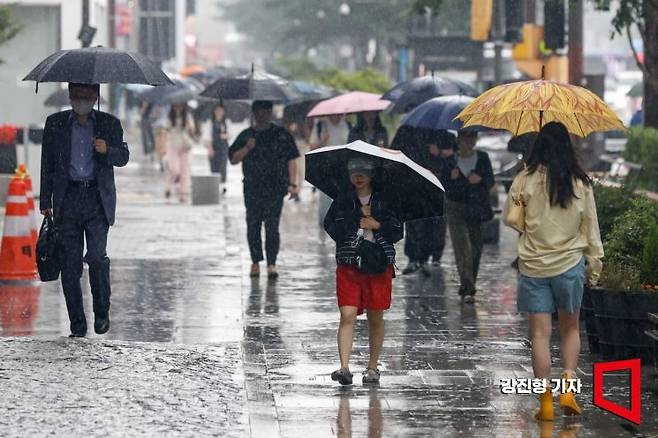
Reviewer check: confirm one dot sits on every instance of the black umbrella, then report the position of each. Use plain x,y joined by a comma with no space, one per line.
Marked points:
97,65
311,94
61,98
236,110
183,90
408,95
253,86
212,74
413,191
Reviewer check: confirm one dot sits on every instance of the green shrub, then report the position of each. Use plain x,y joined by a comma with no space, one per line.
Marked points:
620,276
624,245
611,202
367,79
642,148
650,257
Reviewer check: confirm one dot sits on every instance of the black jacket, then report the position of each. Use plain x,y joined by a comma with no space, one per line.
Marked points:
379,136
56,160
457,190
342,224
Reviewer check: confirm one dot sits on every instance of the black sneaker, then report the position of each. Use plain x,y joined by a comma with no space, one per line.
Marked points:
411,268
342,376
425,270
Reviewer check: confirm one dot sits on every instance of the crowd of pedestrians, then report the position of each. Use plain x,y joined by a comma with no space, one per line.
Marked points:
559,246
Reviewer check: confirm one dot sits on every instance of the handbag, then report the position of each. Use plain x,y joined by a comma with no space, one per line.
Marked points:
371,258
515,215
47,259
188,142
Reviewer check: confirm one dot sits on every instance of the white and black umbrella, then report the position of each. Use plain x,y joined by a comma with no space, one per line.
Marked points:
413,191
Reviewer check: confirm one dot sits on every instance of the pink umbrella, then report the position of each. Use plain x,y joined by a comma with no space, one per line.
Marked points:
353,102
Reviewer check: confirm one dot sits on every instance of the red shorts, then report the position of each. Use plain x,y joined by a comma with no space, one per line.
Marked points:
364,291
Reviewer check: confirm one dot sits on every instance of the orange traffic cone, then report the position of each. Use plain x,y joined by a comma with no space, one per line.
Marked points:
17,258
22,170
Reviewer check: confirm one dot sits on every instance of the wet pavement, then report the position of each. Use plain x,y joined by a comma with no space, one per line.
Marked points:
198,348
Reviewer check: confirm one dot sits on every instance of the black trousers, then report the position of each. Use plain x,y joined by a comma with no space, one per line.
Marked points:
265,210
148,139
219,160
425,238
82,218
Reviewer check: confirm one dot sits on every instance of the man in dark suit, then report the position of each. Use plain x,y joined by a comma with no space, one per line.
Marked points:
80,149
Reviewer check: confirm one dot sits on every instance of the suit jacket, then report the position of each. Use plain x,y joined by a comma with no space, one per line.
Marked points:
56,160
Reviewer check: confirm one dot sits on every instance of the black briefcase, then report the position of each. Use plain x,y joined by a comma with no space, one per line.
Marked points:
47,259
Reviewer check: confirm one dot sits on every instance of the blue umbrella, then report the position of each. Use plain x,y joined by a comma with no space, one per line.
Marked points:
438,113
312,91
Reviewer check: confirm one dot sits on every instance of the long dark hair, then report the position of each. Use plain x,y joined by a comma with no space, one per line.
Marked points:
174,119
362,126
553,150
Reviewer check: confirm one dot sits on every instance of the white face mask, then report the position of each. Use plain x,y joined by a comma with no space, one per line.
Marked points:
82,107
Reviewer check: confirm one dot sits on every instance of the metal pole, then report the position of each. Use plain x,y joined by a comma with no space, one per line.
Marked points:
85,17
112,41
575,42
531,11
499,30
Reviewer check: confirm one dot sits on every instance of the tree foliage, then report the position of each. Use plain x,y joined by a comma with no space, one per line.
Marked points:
291,26
629,12
642,14
8,27
363,80
368,79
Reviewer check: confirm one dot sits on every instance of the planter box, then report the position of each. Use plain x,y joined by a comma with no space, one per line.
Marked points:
205,189
621,323
652,334
587,315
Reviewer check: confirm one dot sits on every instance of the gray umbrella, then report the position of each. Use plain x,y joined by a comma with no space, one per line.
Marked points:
253,86
98,65
182,91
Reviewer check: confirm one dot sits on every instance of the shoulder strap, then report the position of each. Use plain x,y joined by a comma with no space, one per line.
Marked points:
524,177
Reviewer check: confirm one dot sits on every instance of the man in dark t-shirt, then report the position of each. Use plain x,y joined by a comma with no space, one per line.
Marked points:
268,155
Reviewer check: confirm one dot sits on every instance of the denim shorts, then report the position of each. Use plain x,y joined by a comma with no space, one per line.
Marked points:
545,295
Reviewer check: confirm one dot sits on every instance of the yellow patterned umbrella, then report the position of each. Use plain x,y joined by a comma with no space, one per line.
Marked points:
522,107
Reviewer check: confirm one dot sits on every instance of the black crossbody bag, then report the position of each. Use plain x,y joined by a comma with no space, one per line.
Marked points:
371,257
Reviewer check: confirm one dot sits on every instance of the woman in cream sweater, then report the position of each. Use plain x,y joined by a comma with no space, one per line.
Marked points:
560,251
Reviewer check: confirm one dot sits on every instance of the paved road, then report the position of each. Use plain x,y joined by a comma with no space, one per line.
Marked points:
197,348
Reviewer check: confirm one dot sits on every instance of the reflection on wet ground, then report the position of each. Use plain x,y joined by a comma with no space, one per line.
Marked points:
180,274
